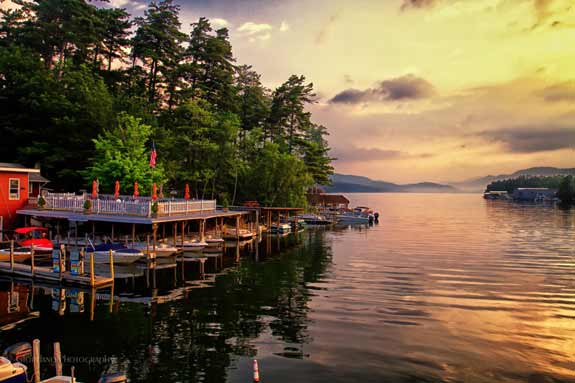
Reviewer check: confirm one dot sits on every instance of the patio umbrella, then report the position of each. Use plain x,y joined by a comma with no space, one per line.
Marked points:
154,192
136,192
187,192
94,189
117,190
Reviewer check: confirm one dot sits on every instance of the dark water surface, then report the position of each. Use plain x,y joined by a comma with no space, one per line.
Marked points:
445,288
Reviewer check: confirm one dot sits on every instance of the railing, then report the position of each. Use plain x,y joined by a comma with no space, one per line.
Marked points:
107,204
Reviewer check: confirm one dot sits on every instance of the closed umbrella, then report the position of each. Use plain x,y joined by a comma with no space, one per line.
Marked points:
154,192
94,189
187,192
136,192
117,190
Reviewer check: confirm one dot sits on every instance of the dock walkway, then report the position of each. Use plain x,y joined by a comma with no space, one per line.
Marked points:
44,273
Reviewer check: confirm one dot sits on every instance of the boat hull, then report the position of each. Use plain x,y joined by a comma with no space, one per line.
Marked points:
119,258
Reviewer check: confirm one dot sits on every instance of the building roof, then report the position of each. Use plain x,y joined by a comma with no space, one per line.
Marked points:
11,167
322,199
37,177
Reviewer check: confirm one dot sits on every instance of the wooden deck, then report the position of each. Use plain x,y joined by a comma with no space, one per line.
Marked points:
43,273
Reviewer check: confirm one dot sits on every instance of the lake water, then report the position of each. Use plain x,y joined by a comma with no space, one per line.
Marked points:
444,288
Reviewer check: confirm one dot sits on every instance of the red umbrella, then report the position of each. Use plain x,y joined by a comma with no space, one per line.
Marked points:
154,192
187,192
136,192
94,189
117,190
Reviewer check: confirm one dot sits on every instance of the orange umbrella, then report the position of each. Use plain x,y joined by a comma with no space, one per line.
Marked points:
136,192
187,193
117,190
94,189
154,192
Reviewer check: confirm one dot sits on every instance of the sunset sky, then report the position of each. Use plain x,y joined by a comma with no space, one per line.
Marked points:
413,90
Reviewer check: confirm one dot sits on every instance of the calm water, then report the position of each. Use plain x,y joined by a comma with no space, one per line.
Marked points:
445,288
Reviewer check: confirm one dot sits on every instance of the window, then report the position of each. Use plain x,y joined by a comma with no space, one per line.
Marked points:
14,192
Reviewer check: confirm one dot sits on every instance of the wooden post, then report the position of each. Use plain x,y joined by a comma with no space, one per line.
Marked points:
73,377
92,278
92,302
182,233
148,247
36,359
93,231
111,253
258,223
155,232
32,259
57,359
133,234
59,271
82,254
112,232
175,232
238,228
202,230
12,255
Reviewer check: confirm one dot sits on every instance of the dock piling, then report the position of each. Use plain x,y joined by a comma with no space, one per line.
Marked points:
36,359
32,268
12,255
111,263
256,371
92,279
59,267
57,359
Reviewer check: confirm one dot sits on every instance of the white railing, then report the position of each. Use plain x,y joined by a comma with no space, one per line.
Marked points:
106,204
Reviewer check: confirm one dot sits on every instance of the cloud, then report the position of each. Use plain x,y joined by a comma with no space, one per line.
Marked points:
128,4
325,29
408,87
533,138
218,23
361,154
559,92
411,4
284,26
252,29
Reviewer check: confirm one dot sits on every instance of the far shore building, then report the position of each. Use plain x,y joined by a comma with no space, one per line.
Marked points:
17,184
318,199
534,194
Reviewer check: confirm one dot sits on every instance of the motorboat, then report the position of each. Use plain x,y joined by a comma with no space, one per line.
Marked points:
12,372
242,235
162,250
215,242
314,220
20,254
34,236
193,246
280,228
122,255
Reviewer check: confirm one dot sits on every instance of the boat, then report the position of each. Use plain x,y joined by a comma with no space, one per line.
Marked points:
162,250
34,236
314,220
20,254
358,216
280,228
243,235
122,255
193,246
215,242
12,372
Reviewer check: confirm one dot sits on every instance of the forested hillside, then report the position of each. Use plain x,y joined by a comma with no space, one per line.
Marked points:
86,90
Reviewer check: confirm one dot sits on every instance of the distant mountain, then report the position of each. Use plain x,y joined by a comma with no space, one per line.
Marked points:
343,183
479,184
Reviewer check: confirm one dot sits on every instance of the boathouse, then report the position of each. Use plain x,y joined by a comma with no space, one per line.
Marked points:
327,201
17,184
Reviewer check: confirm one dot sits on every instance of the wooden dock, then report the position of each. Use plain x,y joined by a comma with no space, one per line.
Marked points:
43,273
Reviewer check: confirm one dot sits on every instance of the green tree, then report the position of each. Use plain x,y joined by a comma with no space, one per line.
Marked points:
566,192
122,153
114,32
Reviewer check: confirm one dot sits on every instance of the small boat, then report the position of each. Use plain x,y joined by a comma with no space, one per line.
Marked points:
12,372
243,235
314,220
281,228
20,254
122,255
163,250
215,242
34,236
193,246
351,218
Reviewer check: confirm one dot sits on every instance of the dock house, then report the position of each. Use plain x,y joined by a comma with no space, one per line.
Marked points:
534,194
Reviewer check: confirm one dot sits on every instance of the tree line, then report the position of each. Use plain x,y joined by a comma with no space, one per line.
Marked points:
85,90
565,185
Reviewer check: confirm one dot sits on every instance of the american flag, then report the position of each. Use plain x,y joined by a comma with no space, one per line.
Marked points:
153,156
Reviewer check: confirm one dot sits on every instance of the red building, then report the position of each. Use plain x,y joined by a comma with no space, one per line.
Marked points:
17,184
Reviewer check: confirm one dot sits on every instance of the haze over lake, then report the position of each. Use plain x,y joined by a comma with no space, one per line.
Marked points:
447,287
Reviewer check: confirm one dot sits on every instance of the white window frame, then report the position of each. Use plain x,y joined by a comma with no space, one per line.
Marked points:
10,196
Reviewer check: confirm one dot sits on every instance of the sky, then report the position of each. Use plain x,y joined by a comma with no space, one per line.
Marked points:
417,90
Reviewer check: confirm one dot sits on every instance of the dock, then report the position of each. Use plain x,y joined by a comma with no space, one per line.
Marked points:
43,273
